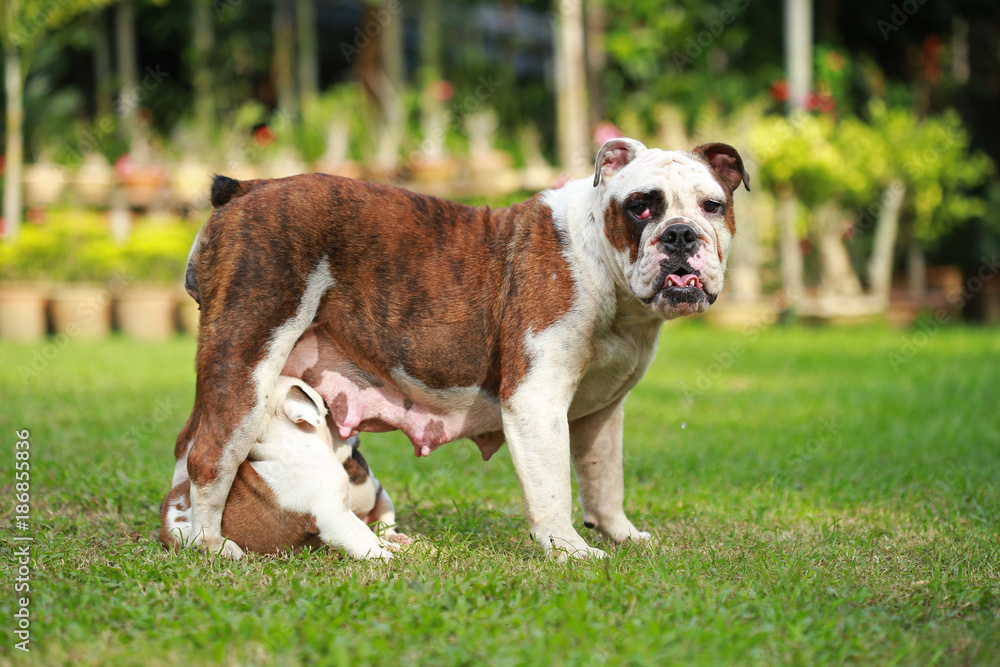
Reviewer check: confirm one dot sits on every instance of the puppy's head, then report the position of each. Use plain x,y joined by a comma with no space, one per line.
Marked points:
668,217
299,410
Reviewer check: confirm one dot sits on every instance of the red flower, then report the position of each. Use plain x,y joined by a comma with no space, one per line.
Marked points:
264,135
605,132
779,91
443,91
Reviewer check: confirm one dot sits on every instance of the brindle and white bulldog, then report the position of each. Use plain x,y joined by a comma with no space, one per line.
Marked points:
528,324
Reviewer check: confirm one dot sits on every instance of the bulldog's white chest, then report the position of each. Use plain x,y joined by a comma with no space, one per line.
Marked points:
620,358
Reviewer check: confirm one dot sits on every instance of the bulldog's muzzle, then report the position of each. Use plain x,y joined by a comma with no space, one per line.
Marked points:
680,283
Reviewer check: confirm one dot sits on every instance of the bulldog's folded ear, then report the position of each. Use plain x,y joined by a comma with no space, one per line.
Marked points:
299,407
615,154
726,162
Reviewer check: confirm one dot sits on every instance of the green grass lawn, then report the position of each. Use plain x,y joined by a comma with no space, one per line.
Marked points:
816,496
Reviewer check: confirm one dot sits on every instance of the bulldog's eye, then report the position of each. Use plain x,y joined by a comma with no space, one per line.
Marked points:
712,206
640,210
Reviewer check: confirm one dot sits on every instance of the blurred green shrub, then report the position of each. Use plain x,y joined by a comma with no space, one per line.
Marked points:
68,247
850,161
157,251
77,247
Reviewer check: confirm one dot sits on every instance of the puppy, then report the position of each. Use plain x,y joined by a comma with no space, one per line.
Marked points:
300,487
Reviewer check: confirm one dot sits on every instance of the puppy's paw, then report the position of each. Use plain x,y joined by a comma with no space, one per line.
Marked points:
218,546
378,554
400,539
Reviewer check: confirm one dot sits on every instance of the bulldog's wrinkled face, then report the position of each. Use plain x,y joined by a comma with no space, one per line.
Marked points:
668,215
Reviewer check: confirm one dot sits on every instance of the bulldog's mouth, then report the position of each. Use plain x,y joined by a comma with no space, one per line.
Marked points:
682,293
690,280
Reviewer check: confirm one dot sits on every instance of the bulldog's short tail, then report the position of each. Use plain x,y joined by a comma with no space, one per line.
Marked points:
225,189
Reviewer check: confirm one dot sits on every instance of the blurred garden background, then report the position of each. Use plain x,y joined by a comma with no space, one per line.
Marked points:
869,129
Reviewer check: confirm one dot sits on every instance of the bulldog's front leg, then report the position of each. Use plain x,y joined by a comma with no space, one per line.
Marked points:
596,442
537,432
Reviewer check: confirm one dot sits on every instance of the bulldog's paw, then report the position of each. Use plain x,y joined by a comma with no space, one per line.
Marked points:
564,548
639,536
563,555
618,530
218,546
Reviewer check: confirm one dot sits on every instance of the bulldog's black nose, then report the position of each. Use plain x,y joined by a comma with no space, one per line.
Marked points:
680,239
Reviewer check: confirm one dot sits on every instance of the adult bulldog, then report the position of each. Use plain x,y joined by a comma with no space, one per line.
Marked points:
528,324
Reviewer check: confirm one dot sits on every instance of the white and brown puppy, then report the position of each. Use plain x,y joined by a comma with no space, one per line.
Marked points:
299,488
527,325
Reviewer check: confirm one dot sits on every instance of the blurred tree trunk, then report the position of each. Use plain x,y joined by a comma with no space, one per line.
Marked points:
758,210
597,59
791,254
308,60
886,230
798,51
14,153
433,116
575,152
128,77
916,271
368,71
837,276
102,65
204,84
390,90
20,33
282,67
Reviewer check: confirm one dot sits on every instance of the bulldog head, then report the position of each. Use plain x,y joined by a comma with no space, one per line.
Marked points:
668,215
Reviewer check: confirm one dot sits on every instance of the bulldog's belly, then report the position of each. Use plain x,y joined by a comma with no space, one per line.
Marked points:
361,402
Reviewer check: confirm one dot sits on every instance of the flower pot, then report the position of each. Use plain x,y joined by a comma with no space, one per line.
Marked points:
438,171
94,181
191,181
81,310
144,184
22,311
43,183
146,312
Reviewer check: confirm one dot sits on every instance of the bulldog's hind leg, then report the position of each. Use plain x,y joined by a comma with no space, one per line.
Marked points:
240,356
596,443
